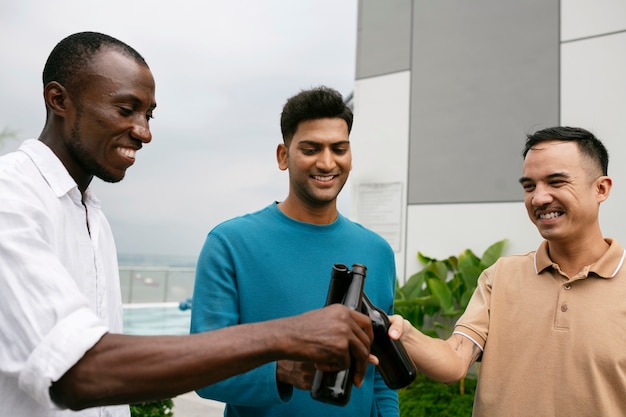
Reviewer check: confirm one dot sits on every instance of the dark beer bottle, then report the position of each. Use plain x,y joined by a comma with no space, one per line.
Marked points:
394,364
345,287
339,282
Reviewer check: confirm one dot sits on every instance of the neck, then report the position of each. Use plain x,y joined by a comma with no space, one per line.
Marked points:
572,257
325,214
54,143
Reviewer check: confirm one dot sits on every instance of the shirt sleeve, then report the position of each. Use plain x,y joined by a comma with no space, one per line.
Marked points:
216,281
474,322
46,324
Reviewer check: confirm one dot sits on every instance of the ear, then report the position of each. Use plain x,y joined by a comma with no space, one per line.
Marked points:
281,156
603,188
56,98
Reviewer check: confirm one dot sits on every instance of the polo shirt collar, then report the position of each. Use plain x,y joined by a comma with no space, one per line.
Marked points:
606,267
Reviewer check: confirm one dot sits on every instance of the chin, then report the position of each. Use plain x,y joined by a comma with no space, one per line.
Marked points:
110,178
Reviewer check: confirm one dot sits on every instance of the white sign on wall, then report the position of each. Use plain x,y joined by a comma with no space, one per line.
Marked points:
379,208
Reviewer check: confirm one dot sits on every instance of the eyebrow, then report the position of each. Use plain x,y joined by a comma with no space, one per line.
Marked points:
551,176
312,142
135,100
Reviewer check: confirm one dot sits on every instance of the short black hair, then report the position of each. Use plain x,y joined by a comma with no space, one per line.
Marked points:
316,103
74,53
587,143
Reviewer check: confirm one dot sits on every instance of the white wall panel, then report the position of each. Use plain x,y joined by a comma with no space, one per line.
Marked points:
583,18
593,96
441,230
380,138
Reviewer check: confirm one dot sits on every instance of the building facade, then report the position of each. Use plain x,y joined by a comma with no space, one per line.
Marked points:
445,93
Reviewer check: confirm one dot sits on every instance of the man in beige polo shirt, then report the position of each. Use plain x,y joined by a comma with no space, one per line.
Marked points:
549,326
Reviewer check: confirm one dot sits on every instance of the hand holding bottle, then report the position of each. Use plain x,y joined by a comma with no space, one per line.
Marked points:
333,338
395,365
346,287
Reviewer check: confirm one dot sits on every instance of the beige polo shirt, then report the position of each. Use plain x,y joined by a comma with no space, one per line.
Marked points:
552,345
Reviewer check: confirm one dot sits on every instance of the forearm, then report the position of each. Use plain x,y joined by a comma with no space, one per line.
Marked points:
125,369
443,360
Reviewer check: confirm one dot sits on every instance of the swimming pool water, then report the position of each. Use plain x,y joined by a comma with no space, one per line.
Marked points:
156,319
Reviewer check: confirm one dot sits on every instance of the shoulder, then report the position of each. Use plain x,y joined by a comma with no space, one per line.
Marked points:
14,163
512,267
359,231
245,222
516,259
20,176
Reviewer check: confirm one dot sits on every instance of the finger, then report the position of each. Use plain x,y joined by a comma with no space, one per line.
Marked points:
366,325
397,326
360,363
374,360
360,351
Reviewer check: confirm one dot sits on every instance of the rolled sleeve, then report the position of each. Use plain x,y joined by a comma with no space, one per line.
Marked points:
59,350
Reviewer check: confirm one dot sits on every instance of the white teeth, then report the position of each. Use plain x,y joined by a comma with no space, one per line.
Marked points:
323,179
127,152
551,215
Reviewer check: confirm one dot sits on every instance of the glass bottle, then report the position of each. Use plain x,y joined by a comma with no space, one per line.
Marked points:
345,287
395,365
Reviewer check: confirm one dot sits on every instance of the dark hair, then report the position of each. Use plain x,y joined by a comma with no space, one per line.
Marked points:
316,103
74,53
587,143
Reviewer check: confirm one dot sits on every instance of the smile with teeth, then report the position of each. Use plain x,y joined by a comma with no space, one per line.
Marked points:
323,178
128,152
550,215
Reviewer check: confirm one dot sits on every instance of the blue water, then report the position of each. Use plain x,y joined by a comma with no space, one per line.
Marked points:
152,288
156,319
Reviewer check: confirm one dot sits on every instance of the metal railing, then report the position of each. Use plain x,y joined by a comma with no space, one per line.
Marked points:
156,284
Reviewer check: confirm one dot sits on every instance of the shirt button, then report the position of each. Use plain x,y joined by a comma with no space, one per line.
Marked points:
564,308
568,286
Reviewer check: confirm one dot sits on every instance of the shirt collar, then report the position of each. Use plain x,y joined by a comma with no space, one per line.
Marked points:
54,172
606,267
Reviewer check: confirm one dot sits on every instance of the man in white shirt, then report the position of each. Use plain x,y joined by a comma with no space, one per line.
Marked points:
60,315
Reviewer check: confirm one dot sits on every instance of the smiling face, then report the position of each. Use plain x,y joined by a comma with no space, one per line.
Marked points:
562,191
106,117
319,161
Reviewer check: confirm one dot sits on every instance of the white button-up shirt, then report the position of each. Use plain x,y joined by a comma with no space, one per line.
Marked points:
59,280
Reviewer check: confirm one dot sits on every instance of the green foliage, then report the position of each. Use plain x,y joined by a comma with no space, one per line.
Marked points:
433,299
162,408
7,133
428,398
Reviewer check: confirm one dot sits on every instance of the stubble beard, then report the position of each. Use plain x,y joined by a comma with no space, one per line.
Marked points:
82,155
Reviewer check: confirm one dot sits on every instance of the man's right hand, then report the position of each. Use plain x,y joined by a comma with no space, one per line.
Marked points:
332,338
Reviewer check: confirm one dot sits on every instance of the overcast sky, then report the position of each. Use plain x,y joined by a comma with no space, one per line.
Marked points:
223,71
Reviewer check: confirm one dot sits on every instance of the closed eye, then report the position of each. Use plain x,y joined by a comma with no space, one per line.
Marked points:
125,111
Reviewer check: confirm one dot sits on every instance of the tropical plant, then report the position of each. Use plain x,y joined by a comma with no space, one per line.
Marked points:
161,408
428,398
433,299
7,133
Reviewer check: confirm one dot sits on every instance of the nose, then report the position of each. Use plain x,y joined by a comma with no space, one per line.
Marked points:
541,195
141,131
325,160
